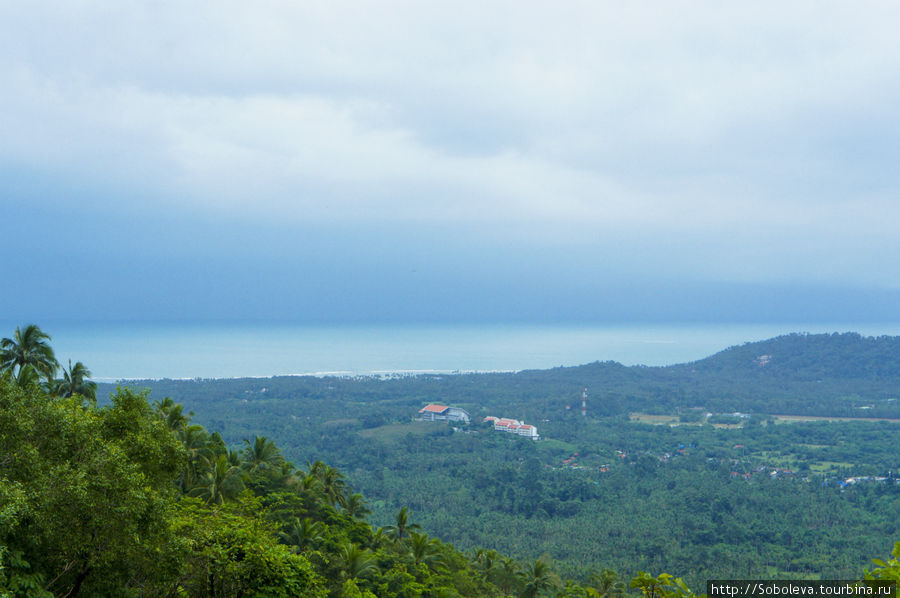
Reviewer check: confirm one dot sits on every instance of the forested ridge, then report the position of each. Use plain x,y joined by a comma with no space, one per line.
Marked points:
131,497
842,375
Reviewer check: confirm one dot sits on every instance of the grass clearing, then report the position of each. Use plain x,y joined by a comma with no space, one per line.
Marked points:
393,431
829,466
646,418
791,419
551,444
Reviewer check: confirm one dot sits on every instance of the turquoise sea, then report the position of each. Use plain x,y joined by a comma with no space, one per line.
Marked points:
142,351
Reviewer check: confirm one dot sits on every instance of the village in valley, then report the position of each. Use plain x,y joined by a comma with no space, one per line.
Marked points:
437,412
434,412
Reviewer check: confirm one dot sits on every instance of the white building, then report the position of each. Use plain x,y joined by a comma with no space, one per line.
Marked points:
528,431
514,426
443,413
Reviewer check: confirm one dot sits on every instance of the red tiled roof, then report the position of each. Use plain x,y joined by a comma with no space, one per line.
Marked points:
433,409
526,427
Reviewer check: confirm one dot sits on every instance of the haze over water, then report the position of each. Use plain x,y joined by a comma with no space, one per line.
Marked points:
140,351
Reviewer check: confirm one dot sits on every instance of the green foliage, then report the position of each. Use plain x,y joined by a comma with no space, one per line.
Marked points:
95,513
231,551
606,584
129,499
217,481
351,590
662,586
731,511
100,501
887,571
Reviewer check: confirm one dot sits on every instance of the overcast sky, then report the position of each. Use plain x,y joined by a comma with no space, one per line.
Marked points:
388,161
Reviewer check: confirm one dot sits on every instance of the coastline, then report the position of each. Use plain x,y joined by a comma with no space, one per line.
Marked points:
118,353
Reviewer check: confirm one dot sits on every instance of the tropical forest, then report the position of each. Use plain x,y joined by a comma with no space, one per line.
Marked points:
770,460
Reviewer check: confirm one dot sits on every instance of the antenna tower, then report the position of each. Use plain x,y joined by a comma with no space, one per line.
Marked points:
584,403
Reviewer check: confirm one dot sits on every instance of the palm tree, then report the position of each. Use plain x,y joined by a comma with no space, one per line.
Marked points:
536,579
484,561
307,484
28,347
27,376
331,480
261,454
196,442
286,475
606,584
378,539
75,382
402,527
506,576
356,561
173,414
356,507
315,469
334,485
302,533
425,550
234,458
219,482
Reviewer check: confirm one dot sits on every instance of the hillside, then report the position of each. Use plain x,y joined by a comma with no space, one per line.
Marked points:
810,357
605,477
828,375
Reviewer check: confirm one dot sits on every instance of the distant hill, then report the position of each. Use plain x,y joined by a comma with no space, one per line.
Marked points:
803,374
843,374
809,357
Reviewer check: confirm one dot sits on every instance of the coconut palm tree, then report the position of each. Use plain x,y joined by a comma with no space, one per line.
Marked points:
27,376
28,347
485,562
306,484
75,382
196,443
356,561
402,526
331,480
425,550
606,584
261,455
218,482
333,485
302,533
356,507
505,575
234,458
173,413
378,539
536,579
286,475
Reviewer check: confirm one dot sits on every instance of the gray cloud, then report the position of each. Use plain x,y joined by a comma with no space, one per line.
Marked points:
741,143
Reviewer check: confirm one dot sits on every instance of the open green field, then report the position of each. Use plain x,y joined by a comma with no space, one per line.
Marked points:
792,419
394,431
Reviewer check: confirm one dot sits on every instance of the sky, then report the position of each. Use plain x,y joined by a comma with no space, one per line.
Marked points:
336,161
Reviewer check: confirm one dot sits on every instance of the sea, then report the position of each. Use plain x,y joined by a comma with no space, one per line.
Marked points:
141,351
